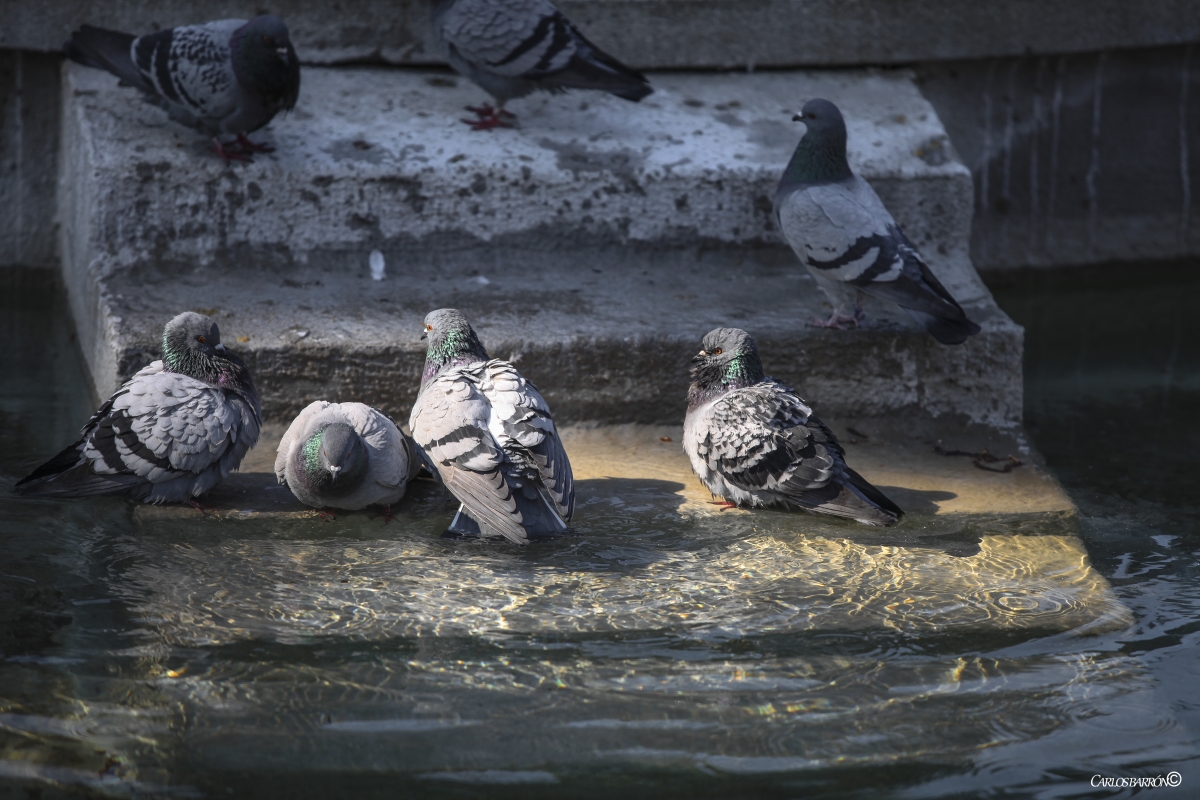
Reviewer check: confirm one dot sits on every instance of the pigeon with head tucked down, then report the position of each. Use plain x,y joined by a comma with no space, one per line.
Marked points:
752,441
171,433
489,434
228,77
345,455
849,242
513,47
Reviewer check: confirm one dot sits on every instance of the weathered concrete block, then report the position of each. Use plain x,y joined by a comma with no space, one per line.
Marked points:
29,86
595,244
1077,159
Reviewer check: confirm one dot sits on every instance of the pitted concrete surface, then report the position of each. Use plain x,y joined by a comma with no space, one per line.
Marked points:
594,245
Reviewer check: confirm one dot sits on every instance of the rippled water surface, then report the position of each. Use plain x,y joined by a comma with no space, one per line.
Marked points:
669,652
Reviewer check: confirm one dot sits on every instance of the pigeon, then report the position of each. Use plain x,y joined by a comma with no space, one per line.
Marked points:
843,234
226,77
489,434
752,441
513,47
171,433
345,455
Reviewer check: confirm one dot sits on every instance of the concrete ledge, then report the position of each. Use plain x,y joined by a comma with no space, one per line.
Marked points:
657,34
594,245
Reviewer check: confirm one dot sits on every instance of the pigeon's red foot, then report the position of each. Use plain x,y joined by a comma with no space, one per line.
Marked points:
387,514
254,147
228,152
489,118
838,321
196,505
725,505
327,514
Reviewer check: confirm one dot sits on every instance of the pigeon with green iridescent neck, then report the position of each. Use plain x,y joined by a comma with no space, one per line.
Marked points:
345,455
753,442
849,242
228,77
511,48
171,433
489,434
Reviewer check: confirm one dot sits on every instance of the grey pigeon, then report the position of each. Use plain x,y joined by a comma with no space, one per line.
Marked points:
513,47
752,441
489,434
843,234
171,433
226,77
345,455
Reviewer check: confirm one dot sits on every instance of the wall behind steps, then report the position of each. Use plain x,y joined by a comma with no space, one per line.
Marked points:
29,128
1079,158
673,34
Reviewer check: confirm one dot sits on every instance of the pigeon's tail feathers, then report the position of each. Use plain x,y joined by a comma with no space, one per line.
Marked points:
946,329
537,514
887,512
67,475
851,498
108,50
592,68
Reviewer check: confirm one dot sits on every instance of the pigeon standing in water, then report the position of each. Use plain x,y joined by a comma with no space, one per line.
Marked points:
752,441
513,47
345,455
843,234
489,434
171,433
228,77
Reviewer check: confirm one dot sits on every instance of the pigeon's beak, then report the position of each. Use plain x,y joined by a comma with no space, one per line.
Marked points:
283,54
424,335
220,348
798,117
334,471
696,359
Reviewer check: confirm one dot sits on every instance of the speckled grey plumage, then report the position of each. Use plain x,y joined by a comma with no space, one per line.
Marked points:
513,47
229,76
844,235
490,435
175,430
754,442
388,465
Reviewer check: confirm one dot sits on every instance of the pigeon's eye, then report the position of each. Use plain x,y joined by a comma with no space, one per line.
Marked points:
717,352
266,40
200,339
428,327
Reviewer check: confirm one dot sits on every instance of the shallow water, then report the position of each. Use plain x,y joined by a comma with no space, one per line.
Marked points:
668,651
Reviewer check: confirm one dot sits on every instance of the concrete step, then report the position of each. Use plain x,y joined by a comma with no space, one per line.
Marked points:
658,34
594,244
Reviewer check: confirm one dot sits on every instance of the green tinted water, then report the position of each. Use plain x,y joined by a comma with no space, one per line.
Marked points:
665,652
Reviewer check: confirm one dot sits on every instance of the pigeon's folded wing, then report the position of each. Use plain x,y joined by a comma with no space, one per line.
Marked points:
758,440
450,423
521,418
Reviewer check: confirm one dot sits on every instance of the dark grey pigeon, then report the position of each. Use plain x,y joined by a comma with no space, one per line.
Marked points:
753,442
228,77
513,47
345,455
171,433
489,434
843,234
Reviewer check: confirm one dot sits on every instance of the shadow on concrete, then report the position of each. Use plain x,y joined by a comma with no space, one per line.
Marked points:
916,501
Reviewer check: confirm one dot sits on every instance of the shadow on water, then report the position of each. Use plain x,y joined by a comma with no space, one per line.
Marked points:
669,650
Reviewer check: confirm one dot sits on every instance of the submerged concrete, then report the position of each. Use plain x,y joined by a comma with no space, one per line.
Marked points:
594,245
